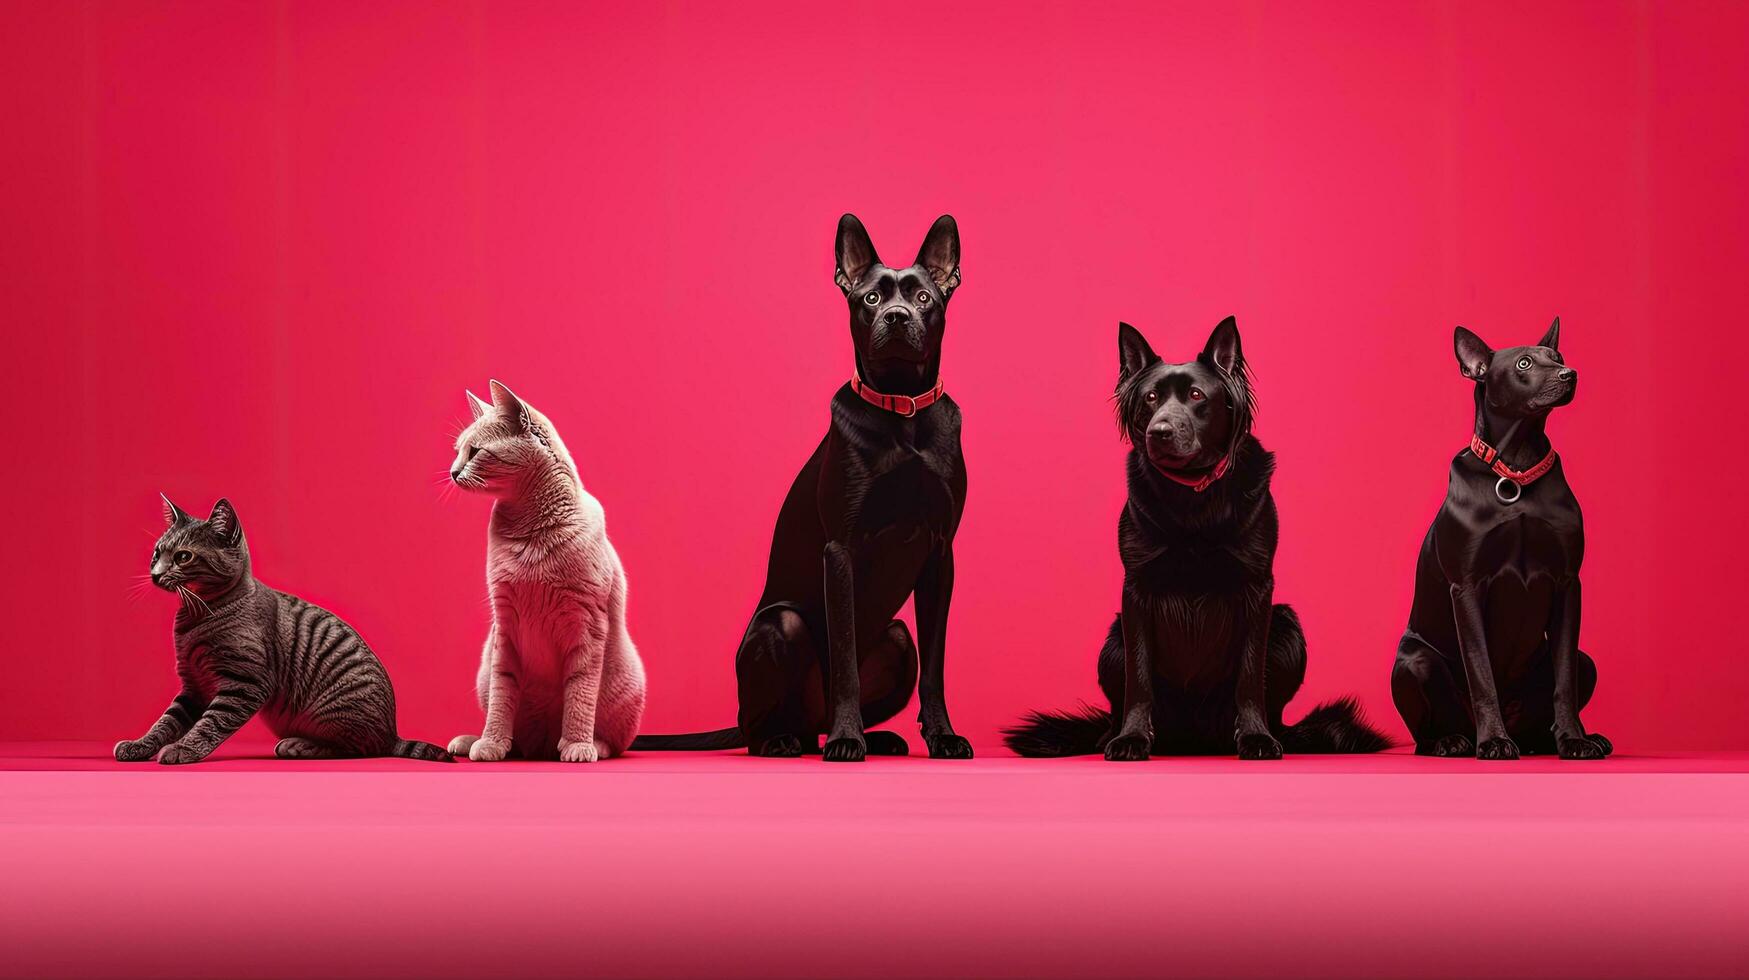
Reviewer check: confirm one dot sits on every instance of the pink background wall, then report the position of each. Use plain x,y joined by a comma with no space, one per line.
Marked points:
258,250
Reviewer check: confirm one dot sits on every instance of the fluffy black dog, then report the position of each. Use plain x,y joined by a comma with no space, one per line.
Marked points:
869,521
1492,647
1201,658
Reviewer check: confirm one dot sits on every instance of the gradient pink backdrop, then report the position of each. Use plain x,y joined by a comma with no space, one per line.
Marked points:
259,250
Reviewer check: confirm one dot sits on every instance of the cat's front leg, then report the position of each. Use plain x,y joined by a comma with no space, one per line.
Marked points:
233,706
182,712
582,693
503,694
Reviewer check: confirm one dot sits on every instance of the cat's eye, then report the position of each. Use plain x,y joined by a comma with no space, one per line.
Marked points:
1524,364
182,557
923,298
872,297
472,452
1196,395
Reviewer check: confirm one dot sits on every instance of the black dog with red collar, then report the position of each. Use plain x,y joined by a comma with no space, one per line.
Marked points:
1490,665
868,523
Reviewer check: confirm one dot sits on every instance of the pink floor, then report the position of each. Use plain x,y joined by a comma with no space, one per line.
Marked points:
721,865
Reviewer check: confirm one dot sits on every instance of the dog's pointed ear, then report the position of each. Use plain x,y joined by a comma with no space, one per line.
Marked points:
940,254
855,251
1552,339
174,516
478,407
223,521
1223,350
1473,355
1133,352
505,400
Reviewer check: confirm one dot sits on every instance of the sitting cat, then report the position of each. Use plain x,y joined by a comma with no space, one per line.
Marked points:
559,677
243,648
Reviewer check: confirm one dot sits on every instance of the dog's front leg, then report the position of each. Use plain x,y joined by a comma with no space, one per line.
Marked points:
1251,729
933,594
1570,738
1135,740
844,741
1492,742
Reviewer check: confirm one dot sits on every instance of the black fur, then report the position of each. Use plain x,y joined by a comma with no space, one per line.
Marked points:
1201,660
1492,648
869,522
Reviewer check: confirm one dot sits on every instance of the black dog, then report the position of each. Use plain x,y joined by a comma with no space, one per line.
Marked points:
869,521
1201,657
1492,647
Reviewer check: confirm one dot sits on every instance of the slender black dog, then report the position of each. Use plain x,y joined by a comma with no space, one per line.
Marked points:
1492,647
869,521
1201,658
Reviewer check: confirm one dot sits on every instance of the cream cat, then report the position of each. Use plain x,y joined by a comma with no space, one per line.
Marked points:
559,677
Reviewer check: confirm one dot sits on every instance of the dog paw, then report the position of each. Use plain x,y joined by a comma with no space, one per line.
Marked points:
886,743
947,745
1580,748
487,751
579,751
129,751
1605,744
1127,748
460,745
1259,745
844,750
778,747
1497,748
177,754
1449,747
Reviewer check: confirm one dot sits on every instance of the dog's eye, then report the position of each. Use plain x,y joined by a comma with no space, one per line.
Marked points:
182,557
1524,364
872,297
1196,395
923,297
1151,397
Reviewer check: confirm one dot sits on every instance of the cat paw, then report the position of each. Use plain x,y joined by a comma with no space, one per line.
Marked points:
177,754
485,751
844,750
580,751
947,745
1581,747
460,745
886,743
131,751
778,747
1259,745
1497,748
1448,747
1128,748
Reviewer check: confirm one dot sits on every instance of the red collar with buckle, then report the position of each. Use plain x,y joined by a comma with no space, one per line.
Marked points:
902,405
1203,482
1488,454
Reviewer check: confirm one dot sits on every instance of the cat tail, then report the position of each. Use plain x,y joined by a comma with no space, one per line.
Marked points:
722,738
1334,726
408,748
1051,734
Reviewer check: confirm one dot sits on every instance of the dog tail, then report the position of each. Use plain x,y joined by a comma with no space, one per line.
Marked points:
408,748
1059,733
722,738
1334,726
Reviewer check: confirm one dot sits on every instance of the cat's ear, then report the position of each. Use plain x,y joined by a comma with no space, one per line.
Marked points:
223,521
480,409
174,516
505,400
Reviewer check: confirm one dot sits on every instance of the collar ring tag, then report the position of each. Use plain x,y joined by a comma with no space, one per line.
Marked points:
1500,491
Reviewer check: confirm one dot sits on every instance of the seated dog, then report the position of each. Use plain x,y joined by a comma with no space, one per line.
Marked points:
1492,648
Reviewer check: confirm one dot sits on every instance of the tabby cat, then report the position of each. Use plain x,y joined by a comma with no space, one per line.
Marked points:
243,648
559,677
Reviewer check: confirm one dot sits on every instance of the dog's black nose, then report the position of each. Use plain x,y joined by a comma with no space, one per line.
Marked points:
1565,374
897,316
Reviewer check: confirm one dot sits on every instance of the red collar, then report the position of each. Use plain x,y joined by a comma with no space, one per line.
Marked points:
1488,454
902,405
1203,482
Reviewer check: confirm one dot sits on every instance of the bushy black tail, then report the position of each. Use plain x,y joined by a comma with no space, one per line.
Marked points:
1334,726
408,748
1058,733
722,738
